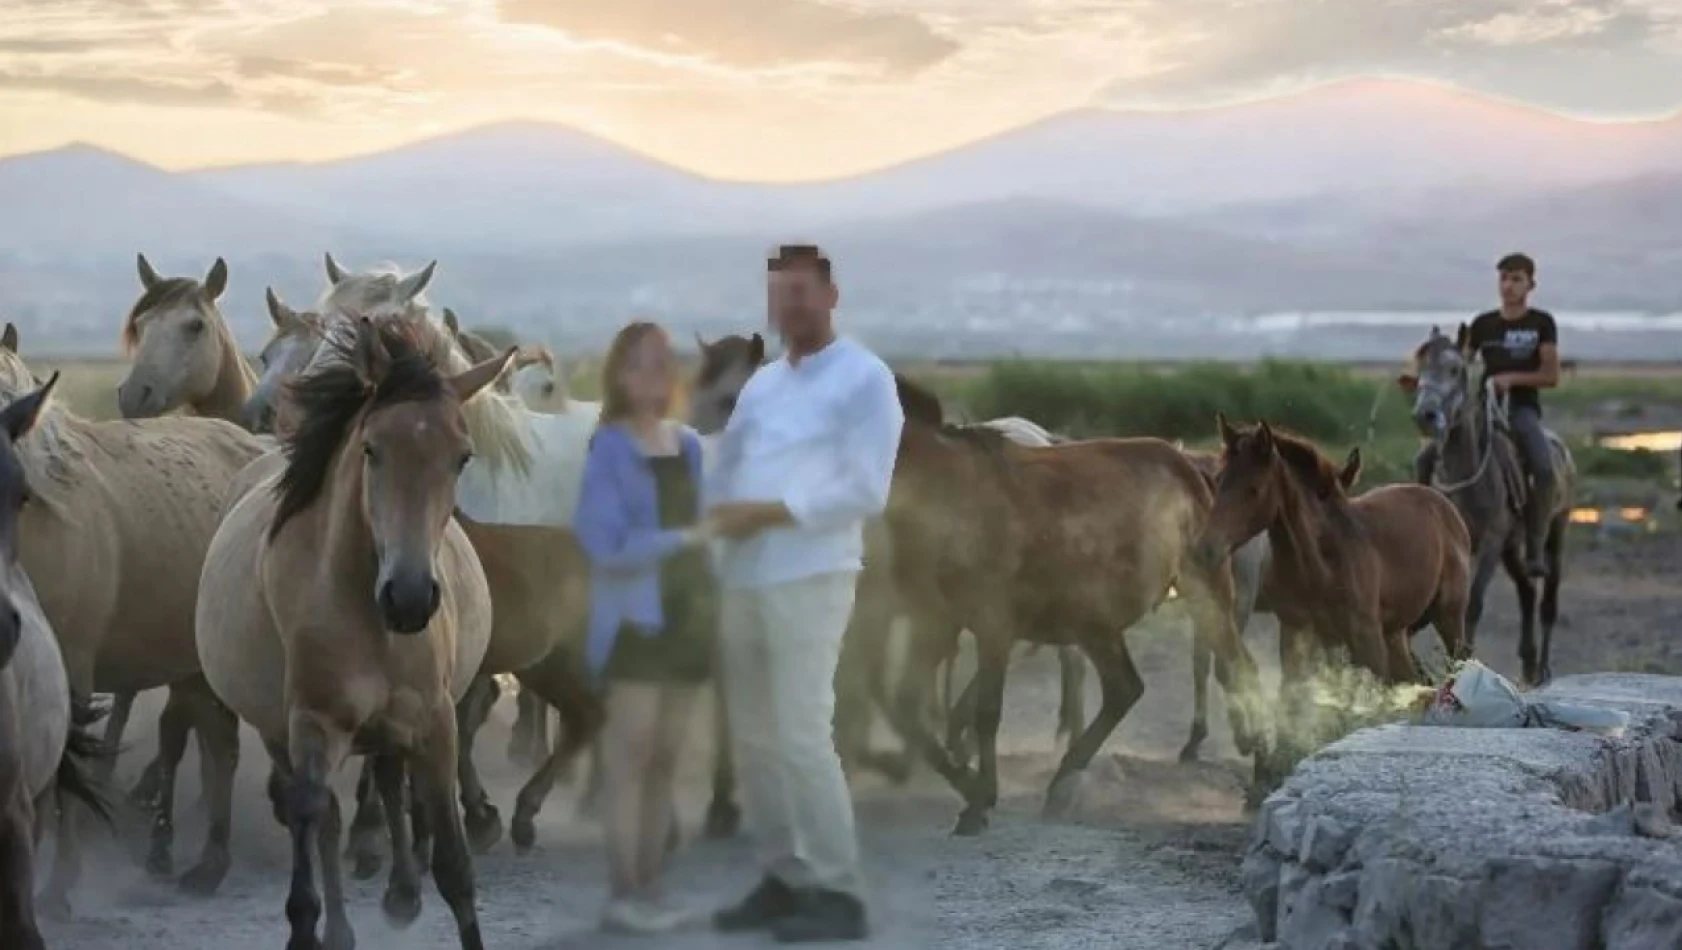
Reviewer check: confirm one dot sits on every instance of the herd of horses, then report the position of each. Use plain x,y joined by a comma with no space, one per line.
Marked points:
347,545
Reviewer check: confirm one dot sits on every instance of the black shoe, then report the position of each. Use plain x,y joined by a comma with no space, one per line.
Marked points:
821,917
770,902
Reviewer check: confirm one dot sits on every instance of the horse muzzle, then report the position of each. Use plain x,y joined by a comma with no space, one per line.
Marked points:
1430,422
138,401
407,602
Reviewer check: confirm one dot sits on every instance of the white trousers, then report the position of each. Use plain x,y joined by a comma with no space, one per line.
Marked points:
779,648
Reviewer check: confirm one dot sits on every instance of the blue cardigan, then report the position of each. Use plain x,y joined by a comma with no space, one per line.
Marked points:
618,525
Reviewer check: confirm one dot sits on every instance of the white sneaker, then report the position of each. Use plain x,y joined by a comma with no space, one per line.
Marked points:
635,916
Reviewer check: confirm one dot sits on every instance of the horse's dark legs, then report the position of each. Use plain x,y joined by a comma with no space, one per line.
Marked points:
218,730
1488,557
561,683
174,726
1071,704
1513,560
724,816
402,902
929,647
17,880
1120,687
1201,659
366,848
1555,551
116,723
309,808
483,822
992,660
528,744
960,722
452,863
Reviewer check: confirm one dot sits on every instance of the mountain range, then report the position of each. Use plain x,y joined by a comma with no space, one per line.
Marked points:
1366,195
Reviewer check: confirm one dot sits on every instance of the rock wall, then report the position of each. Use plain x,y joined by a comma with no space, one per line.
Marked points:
1413,838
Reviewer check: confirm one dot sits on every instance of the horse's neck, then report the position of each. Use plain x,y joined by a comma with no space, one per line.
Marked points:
233,387
1464,445
1295,537
336,520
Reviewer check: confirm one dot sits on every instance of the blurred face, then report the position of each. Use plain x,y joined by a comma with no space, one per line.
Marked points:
648,375
800,303
1515,287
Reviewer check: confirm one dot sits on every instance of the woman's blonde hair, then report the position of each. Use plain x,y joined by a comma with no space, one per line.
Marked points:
616,403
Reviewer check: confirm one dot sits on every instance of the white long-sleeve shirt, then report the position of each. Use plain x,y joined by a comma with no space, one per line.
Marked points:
820,437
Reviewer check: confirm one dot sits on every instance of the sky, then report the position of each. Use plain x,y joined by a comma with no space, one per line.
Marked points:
765,89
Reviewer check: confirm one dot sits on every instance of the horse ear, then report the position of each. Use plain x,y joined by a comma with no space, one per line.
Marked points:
373,360
217,280
756,349
148,277
411,286
1351,469
9,338
335,273
468,382
1229,435
21,416
1408,382
1463,338
1264,437
451,322
279,312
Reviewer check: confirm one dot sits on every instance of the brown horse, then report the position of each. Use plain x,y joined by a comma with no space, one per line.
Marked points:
1067,544
1361,573
1478,468
352,578
42,737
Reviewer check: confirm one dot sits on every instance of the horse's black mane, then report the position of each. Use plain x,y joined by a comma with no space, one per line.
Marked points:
330,397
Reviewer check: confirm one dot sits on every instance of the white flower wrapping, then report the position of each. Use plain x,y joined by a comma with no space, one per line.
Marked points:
1477,697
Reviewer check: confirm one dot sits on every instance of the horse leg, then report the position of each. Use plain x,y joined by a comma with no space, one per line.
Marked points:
402,901
122,706
218,730
1071,707
366,848
308,811
1482,574
558,679
928,648
993,645
1555,552
17,877
528,744
1120,687
590,803
1512,560
175,724
724,816
1293,727
1399,661
1208,596
452,862
1201,659
483,822
420,820
960,719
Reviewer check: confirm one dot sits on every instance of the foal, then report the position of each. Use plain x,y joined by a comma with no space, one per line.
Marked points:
351,576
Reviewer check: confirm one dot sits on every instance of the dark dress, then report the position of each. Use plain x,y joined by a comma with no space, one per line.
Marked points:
682,652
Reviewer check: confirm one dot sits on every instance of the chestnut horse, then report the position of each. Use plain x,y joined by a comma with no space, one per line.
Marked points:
1069,544
1362,573
343,611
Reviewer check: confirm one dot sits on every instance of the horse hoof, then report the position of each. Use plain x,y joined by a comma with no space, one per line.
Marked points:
365,863
484,829
402,905
971,822
524,832
204,879
1060,797
1189,754
303,942
724,820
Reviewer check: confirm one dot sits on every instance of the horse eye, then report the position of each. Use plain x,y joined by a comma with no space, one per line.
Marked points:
465,458
368,453
195,326
548,389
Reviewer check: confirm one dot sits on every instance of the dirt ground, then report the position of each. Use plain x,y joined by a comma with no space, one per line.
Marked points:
1151,860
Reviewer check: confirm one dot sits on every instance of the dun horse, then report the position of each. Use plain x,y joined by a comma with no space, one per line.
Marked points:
1070,544
351,576
1360,573
42,743
132,505
1479,469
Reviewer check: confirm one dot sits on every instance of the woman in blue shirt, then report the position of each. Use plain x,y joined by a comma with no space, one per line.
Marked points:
653,611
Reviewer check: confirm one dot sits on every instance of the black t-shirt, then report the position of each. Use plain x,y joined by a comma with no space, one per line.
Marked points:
1514,346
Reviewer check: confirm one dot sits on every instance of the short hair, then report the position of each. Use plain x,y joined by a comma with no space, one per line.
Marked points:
1520,263
801,255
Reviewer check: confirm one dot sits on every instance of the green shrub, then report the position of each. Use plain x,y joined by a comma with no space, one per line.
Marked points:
1598,461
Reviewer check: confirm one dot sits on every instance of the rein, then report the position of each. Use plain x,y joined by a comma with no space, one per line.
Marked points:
1494,407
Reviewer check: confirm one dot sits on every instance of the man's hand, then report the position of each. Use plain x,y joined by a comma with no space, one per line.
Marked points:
743,519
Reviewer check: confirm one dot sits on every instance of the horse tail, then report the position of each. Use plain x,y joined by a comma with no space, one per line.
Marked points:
82,751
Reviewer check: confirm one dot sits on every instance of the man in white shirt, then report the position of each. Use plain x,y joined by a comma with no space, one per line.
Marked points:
807,456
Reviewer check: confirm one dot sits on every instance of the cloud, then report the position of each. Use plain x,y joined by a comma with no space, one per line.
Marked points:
1592,55
748,34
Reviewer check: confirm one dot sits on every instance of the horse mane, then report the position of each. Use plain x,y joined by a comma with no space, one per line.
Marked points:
329,399
54,451
167,292
1306,461
372,292
918,403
